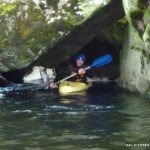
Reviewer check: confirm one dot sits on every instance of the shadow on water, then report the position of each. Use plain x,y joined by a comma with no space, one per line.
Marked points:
102,119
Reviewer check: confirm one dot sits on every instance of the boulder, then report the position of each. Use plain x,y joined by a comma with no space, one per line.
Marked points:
40,74
30,28
135,55
45,45
83,34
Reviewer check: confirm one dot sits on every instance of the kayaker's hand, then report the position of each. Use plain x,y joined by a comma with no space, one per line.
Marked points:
81,71
53,86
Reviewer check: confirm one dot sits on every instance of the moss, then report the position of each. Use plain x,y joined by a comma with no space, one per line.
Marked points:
146,16
5,9
31,30
142,4
123,20
136,15
135,52
113,33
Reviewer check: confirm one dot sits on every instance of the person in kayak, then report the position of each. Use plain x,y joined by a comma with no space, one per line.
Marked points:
77,68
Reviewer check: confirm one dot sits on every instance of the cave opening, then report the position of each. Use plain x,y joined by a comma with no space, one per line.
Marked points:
81,35
92,50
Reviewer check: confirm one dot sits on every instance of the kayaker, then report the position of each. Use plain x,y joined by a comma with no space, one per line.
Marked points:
77,68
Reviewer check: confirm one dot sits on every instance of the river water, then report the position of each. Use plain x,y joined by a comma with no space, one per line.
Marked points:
103,119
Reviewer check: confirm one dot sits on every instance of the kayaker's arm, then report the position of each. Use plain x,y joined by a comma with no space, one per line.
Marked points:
81,71
66,72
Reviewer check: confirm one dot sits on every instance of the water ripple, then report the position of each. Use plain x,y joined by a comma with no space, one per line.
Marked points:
78,108
22,111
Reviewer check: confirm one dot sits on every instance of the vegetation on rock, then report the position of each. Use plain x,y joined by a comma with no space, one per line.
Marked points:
135,56
29,28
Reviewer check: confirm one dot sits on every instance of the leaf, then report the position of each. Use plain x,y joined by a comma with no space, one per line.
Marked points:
6,8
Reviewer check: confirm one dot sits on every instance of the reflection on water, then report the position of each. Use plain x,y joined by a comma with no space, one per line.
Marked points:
104,120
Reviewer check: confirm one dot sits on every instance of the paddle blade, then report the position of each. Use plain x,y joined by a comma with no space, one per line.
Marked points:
104,60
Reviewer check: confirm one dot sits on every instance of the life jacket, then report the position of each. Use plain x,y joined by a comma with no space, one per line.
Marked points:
78,77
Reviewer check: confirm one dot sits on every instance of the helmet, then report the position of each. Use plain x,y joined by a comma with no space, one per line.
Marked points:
80,57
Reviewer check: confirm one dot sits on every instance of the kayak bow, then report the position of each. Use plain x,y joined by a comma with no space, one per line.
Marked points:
70,87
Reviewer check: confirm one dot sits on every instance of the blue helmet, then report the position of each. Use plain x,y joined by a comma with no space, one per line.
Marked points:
80,57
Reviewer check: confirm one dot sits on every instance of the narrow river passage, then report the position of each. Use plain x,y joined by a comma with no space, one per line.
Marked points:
106,119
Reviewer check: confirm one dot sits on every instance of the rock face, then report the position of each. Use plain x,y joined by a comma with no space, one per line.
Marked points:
135,56
48,32
30,27
84,33
40,74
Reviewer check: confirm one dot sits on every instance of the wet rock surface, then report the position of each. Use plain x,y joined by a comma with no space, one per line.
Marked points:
135,56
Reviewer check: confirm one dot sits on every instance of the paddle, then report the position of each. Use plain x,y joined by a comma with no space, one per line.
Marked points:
104,60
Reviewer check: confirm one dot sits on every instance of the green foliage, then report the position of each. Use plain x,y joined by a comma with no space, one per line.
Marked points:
4,9
147,16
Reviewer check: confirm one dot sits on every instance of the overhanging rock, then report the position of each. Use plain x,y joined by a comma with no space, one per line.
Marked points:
78,38
81,35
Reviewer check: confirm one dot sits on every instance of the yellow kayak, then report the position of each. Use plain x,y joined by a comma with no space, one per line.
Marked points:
70,87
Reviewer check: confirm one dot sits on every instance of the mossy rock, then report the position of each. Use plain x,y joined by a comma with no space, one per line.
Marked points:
135,55
31,29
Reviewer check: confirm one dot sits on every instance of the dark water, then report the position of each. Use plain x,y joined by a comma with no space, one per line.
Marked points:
99,120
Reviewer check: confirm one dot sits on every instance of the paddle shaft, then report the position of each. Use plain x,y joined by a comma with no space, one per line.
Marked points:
87,68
